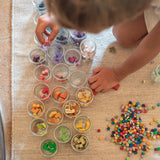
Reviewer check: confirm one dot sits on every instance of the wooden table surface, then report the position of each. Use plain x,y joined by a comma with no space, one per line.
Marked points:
5,70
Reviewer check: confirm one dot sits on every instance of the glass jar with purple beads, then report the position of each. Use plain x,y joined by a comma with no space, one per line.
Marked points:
55,53
76,37
62,37
38,56
39,4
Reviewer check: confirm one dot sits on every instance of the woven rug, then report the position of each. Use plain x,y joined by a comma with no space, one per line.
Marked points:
25,146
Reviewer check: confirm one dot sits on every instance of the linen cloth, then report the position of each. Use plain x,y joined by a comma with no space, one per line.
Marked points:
25,146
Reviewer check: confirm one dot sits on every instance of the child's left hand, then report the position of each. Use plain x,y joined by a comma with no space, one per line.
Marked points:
104,78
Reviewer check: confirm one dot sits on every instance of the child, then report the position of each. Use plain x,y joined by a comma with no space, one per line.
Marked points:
131,20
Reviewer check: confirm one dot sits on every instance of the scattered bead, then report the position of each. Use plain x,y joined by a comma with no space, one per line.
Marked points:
98,130
100,138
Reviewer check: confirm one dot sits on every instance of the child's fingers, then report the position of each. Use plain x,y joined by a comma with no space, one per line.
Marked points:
39,33
95,85
99,89
92,79
96,70
54,32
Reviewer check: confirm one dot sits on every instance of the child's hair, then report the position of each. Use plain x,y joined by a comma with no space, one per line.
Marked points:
94,15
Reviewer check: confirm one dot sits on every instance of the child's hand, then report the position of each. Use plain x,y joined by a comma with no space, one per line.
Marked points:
103,79
45,21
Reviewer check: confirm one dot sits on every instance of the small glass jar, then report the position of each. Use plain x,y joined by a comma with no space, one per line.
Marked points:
62,134
56,53
72,57
54,116
42,74
39,4
48,148
38,127
36,108
62,37
156,74
78,79
77,37
71,109
88,49
84,96
37,56
80,143
60,72
82,124
60,95
42,91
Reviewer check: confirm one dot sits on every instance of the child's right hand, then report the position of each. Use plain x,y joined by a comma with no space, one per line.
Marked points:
45,21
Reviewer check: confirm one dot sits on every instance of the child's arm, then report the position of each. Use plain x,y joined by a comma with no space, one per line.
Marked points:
105,78
144,53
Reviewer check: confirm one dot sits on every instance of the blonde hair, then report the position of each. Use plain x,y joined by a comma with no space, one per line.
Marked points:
94,15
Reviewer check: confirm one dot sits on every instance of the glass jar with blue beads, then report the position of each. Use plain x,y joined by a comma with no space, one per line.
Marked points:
62,37
39,4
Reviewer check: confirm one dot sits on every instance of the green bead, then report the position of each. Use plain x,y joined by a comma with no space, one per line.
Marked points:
143,153
149,108
127,158
113,123
155,132
153,107
52,150
112,140
64,137
158,148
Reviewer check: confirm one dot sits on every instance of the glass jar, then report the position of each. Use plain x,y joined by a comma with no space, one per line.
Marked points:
54,116
71,109
38,127
156,74
42,74
60,95
62,134
36,108
72,57
37,56
48,148
78,79
60,72
84,96
88,49
56,53
77,37
62,37
80,143
39,4
42,92
82,124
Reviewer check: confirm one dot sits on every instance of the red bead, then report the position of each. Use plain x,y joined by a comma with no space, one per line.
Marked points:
116,87
94,92
98,130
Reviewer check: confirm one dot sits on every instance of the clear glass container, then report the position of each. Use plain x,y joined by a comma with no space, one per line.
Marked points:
88,49
71,109
56,53
82,124
54,116
78,79
48,148
72,57
84,96
60,95
38,127
62,37
60,72
80,142
37,15
42,74
76,37
37,56
39,4
156,74
62,134
42,91
36,108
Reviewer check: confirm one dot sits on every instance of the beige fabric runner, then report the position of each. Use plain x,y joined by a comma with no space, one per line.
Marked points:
25,146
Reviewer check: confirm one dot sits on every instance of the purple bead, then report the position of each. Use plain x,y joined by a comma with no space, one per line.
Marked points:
155,149
58,54
146,129
36,58
158,125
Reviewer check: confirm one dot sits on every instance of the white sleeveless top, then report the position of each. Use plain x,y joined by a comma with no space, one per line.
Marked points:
152,15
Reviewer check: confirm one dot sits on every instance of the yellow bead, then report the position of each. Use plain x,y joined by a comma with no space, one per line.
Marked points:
100,138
